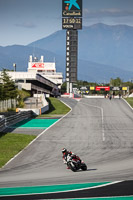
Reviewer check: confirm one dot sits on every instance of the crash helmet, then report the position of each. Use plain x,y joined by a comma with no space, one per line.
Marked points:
64,150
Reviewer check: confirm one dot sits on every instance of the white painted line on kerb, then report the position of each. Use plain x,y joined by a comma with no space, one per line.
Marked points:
71,190
38,136
89,188
103,133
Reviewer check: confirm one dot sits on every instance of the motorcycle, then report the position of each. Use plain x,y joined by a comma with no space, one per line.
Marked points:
75,164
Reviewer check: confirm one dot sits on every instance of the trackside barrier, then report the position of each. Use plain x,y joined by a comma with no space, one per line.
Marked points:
2,125
8,121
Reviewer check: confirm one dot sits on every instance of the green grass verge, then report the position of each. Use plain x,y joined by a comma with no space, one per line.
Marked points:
56,107
11,144
130,100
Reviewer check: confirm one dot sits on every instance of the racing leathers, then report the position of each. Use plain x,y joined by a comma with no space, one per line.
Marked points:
73,156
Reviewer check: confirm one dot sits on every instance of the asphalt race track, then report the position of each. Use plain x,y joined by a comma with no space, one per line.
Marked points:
100,131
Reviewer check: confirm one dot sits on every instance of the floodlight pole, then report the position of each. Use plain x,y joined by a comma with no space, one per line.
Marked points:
14,65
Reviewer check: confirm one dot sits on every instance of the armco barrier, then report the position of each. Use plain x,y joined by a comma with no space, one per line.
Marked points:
8,121
2,125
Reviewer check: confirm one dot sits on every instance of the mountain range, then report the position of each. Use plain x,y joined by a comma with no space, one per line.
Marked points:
104,52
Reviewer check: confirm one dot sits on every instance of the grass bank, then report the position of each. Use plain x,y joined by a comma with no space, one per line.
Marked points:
11,144
130,101
56,108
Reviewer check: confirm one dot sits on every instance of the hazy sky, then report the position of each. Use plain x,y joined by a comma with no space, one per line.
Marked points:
25,21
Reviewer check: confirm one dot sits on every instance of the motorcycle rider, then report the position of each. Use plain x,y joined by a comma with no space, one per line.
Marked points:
66,153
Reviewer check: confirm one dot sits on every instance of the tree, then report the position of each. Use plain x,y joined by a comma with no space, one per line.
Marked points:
116,82
63,88
1,91
8,89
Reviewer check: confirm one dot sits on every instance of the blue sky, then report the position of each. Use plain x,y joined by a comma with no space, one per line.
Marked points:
25,21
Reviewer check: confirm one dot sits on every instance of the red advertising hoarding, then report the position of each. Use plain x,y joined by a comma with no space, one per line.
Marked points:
106,88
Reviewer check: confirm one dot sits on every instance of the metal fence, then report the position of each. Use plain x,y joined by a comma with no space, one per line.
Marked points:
7,104
8,121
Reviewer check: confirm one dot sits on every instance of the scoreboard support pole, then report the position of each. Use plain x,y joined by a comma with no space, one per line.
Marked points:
67,87
71,58
72,22
71,90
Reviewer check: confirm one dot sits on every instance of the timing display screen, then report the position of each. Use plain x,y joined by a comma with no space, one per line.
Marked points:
71,23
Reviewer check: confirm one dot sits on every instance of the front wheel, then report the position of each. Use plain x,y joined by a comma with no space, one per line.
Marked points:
73,168
83,166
